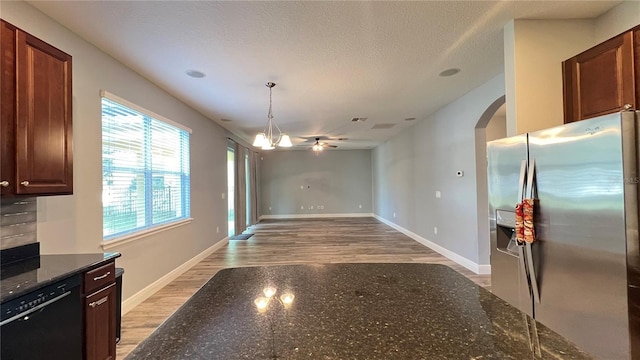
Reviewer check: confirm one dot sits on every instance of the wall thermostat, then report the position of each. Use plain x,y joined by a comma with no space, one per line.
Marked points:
459,173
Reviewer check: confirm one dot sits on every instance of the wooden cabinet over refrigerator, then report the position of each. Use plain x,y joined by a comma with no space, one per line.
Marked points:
604,79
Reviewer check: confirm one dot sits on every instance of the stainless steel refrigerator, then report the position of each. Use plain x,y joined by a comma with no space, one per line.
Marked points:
581,275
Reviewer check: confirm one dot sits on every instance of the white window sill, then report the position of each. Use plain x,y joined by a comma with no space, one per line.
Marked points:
125,239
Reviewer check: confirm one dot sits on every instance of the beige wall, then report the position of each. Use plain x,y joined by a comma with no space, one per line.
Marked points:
496,128
73,224
534,51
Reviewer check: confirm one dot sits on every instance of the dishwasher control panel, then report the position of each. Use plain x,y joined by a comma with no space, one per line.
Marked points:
37,298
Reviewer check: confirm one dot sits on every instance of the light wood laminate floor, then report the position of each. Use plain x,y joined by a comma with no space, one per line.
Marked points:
279,242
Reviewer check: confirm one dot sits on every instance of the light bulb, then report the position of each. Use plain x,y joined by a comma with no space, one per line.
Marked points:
261,304
269,291
260,140
287,299
285,141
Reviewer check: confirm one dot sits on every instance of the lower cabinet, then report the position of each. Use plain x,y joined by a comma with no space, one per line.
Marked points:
100,313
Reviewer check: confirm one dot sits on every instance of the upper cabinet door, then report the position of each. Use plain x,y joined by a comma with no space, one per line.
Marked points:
7,108
636,53
600,80
44,163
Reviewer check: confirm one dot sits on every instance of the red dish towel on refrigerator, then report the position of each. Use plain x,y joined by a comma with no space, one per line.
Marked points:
527,213
519,223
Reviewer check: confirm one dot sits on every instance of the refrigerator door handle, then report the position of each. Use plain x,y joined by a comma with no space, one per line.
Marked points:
523,265
530,179
521,184
533,281
521,252
532,274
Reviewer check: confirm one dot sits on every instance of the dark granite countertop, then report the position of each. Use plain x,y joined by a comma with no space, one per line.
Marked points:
351,311
32,274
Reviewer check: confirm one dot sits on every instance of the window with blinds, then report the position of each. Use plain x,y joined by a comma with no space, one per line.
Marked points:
145,169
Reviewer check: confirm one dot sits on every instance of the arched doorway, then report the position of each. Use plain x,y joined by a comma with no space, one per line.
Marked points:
492,125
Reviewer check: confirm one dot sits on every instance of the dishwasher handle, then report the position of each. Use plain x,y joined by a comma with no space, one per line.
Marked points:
34,309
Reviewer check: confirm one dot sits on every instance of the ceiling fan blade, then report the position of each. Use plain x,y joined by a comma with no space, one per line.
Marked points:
331,146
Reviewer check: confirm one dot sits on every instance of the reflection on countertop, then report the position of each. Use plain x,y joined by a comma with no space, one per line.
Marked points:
34,273
355,311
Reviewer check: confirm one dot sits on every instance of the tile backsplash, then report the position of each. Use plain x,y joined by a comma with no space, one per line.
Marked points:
18,222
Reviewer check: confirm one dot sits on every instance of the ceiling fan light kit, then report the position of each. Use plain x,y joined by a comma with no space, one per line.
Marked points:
267,140
319,146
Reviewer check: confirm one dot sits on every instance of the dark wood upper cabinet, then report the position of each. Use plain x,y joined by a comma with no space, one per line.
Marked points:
37,156
636,54
7,109
602,80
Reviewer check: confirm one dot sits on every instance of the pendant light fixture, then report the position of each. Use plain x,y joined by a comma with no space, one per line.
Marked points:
267,140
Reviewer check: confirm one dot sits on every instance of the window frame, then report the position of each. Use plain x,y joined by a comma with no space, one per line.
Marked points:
110,241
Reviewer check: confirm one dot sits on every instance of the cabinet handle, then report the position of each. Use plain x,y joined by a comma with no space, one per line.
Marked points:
4,183
99,302
24,183
102,276
627,107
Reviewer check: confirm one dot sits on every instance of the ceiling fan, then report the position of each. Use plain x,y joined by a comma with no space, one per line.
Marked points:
318,142
319,146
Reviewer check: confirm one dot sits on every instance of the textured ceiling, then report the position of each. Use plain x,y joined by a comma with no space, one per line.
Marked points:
332,61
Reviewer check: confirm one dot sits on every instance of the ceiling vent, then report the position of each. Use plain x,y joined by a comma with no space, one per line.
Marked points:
359,119
383,126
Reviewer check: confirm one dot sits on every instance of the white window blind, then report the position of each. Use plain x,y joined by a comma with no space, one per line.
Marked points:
145,169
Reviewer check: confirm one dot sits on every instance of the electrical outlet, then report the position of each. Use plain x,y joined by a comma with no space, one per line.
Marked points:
438,194
311,207
269,208
394,214
222,195
217,229
301,207
301,187
435,230
360,206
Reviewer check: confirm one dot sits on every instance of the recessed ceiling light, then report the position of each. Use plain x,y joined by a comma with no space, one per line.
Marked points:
195,74
225,120
409,119
449,72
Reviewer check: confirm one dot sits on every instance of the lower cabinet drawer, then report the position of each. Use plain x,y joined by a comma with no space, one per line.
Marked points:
99,277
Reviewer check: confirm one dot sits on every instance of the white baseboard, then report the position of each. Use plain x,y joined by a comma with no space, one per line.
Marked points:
142,295
476,268
312,216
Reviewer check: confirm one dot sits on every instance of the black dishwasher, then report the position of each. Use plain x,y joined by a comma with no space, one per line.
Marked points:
43,324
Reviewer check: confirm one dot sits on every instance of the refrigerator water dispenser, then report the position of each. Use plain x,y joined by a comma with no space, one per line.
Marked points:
506,232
